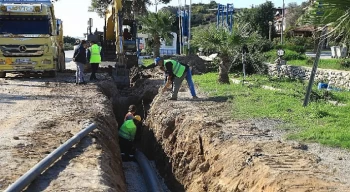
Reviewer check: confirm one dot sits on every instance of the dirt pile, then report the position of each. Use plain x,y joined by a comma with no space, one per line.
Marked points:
207,151
198,65
38,115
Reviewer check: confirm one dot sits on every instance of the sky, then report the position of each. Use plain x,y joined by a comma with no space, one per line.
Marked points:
75,15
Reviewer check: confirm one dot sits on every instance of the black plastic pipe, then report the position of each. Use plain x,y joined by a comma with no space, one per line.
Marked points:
28,177
149,175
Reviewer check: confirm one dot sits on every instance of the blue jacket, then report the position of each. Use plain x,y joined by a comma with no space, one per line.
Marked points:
80,54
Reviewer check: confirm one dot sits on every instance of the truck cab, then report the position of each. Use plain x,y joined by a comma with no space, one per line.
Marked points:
29,40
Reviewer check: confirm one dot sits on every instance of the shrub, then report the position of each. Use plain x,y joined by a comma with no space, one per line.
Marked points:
259,44
310,61
345,63
296,48
288,55
68,46
253,62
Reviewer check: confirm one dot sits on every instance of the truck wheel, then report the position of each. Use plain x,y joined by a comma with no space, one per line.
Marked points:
51,74
2,74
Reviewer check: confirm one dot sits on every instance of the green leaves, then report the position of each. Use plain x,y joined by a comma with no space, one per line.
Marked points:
333,13
158,25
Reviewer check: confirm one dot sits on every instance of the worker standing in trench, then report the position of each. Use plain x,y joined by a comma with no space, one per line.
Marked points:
127,134
131,113
176,72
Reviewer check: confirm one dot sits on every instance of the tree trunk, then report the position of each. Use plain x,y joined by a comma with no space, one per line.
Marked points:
224,69
156,48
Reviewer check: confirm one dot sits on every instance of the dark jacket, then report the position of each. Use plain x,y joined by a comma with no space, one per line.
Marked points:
80,55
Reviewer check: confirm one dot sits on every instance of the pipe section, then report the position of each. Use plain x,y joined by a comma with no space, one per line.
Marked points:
149,175
28,177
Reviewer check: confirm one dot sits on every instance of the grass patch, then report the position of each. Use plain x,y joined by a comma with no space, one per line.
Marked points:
336,64
319,122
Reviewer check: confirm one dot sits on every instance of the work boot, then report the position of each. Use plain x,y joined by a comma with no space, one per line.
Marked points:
195,97
173,99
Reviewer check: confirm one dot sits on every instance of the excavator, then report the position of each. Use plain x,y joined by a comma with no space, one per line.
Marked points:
119,42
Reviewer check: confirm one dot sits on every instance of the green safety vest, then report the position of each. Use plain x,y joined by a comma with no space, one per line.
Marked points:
128,130
178,69
95,52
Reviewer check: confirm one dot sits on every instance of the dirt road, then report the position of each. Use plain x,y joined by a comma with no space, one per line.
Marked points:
38,115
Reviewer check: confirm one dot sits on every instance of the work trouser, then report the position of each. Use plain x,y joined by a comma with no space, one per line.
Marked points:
190,83
125,146
178,81
94,68
79,72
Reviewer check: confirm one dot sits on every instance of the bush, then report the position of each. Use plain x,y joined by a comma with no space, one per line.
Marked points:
344,63
296,48
254,64
259,44
68,46
288,55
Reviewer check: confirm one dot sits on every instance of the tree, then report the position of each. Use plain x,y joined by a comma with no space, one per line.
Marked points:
227,44
295,11
257,18
159,26
138,6
69,39
264,14
332,13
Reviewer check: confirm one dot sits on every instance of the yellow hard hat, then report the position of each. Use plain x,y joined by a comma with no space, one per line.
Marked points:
137,117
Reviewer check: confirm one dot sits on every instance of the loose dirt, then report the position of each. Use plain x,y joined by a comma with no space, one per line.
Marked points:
208,151
38,115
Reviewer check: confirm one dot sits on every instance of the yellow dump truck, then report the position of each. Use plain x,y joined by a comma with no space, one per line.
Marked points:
31,39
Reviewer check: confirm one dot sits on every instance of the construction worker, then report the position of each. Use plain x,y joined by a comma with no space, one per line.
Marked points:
131,113
127,134
176,72
79,57
94,56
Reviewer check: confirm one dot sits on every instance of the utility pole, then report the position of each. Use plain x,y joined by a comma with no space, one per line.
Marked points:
180,32
189,28
314,68
156,3
282,23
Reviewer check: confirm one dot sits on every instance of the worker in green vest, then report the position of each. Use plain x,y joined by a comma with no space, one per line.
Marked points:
94,57
176,72
127,134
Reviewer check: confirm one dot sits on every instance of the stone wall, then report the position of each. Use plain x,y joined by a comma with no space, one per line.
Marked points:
332,77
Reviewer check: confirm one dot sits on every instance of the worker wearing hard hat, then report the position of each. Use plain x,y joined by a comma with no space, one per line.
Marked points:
176,72
127,134
94,57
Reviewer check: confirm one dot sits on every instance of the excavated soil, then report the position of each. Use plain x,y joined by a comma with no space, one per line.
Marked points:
199,148
198,65
38,115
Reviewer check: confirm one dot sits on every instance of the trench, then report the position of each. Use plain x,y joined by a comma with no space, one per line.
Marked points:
142,95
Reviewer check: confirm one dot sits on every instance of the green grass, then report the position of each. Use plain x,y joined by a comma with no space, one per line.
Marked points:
319,122
323,64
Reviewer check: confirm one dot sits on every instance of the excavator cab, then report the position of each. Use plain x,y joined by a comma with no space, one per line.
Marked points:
120,42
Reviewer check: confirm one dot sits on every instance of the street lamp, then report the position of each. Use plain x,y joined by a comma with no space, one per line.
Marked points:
270,26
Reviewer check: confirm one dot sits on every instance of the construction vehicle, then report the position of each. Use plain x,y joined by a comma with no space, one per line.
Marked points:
31,38
117,44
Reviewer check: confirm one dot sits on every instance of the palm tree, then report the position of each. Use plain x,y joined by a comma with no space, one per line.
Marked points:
220,41
159,26
333,13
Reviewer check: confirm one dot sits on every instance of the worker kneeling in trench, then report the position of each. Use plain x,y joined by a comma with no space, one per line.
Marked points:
127,134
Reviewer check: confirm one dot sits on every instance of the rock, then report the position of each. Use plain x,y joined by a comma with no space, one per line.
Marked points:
204,167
